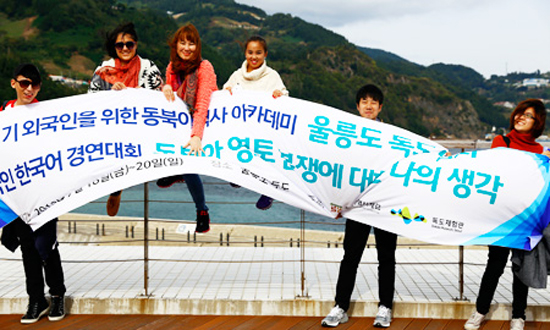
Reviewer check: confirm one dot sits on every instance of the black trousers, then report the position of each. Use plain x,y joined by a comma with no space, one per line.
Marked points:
355,240
496,263
37,269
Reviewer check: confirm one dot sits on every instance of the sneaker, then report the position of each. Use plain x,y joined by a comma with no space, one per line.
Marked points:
113,203
264,202
474,322
383,317
517,324
35,310
57,308
169,181
203,222
336,316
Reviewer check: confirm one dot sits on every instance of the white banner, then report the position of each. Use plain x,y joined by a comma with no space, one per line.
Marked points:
490,197
67,152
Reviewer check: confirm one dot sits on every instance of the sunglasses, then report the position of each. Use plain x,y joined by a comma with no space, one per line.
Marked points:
129,44
26,83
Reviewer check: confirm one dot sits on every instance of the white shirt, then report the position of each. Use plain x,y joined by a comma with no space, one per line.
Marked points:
263,79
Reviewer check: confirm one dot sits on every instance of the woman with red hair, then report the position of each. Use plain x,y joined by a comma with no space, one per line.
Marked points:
527,122
193,80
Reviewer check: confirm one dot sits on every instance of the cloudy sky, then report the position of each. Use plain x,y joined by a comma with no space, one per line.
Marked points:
490,36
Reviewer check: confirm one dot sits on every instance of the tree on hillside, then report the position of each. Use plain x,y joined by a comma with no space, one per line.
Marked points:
16,8
50,90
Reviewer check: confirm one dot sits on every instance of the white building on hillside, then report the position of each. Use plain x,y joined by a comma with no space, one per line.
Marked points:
535,82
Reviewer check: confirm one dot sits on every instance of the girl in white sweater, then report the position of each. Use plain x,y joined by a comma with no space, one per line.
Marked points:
255,75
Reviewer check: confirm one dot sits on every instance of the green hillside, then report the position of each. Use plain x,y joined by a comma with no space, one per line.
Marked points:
66,37
459,80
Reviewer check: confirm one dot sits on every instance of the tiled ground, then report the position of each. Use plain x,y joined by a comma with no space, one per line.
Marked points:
423,275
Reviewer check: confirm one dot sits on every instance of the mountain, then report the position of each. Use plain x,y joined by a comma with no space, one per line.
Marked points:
462,81
66,36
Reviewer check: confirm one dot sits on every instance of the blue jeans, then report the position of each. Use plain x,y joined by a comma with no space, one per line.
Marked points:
194,184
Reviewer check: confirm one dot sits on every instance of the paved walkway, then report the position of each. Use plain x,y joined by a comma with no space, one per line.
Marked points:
259,281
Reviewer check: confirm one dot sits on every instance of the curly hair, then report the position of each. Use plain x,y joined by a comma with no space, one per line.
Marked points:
110,38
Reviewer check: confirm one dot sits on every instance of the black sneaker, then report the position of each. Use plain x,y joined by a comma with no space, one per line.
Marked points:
203,222
264,202
169,181
35,311
57,308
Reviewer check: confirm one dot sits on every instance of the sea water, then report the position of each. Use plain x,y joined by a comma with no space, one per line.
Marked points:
226,205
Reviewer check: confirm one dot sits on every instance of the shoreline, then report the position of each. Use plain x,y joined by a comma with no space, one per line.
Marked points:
181,233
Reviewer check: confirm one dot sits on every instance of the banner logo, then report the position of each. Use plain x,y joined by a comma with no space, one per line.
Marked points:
405,214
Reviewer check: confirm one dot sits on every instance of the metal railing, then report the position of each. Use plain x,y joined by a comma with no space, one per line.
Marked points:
98,231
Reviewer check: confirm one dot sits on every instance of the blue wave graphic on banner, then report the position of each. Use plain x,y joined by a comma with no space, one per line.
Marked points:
6,214
525,228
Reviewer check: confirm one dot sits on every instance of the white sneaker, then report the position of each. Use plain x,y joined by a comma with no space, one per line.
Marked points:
517,324
336,316
383,317
474,322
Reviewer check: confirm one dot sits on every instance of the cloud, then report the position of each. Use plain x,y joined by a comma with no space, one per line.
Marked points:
338,13
490,39
490,36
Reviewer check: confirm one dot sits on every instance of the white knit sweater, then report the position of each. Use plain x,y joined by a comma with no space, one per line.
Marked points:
262,79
